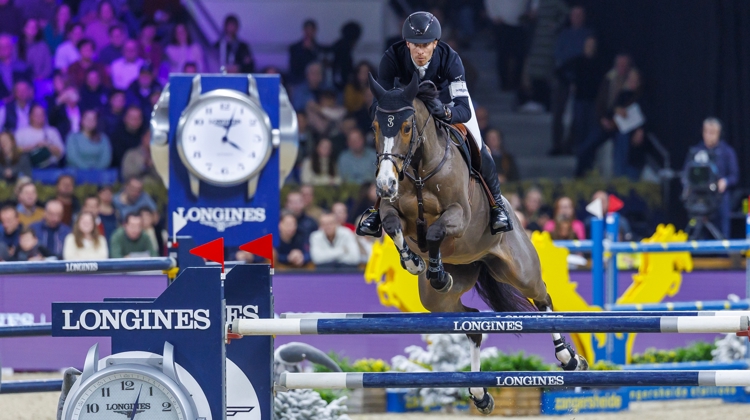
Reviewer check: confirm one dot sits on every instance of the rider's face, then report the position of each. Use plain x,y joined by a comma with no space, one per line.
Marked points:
421,53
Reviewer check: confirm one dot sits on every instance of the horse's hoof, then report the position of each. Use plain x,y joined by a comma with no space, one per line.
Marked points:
442,284
577,363
414,264
485,405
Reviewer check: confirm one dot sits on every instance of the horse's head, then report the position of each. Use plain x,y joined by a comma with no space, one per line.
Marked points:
395,134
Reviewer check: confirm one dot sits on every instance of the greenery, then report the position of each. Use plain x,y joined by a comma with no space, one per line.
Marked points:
360,365
604,365
695,352
504,362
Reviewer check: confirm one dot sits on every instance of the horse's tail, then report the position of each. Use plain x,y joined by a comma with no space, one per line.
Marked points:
501,297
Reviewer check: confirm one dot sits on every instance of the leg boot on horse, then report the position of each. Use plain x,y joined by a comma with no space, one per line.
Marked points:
410,261
564,352
499,220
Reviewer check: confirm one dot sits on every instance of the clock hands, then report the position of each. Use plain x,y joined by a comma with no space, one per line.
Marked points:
135,406
229,125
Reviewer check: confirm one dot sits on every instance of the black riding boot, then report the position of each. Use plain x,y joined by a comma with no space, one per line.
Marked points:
499,219
370,224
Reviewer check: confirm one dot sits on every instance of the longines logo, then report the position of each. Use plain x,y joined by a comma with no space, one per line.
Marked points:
222,218
143,319
530,380
487,325
127,409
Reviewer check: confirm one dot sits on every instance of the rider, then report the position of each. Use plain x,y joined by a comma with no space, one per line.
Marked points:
422,51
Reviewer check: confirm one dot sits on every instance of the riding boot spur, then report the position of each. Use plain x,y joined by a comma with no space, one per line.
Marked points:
499,219
370,223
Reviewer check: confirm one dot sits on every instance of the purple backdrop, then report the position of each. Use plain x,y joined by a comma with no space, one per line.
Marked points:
305,292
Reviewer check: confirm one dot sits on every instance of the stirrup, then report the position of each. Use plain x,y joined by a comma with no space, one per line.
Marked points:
370,225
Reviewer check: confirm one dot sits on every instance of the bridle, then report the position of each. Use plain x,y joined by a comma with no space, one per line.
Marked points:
416,141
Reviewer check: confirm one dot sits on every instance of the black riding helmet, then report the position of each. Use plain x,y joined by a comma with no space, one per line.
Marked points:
421,28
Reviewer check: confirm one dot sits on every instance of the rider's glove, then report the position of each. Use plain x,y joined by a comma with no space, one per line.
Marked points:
437,109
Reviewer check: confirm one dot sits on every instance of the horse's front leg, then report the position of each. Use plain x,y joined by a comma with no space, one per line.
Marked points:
450,223
481,398
410,261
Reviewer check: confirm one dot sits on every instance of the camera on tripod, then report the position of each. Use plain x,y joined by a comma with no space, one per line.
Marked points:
701,194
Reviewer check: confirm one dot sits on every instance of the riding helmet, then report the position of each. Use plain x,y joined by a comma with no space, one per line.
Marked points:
421,28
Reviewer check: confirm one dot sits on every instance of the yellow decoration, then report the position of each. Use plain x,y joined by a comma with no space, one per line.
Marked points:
396,287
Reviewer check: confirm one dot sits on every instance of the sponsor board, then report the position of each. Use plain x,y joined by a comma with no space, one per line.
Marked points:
569,402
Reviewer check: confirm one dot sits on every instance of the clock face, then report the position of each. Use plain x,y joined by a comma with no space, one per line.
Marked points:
224,140
120,396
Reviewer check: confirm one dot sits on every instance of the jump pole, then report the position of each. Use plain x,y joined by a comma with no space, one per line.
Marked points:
19,387
114,265
616,313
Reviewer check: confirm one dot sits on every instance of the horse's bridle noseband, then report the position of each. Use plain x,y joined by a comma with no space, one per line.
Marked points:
413,145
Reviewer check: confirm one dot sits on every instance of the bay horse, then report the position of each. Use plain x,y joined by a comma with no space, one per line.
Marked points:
434,209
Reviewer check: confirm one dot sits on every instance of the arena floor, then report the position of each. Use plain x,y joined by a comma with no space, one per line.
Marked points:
42,407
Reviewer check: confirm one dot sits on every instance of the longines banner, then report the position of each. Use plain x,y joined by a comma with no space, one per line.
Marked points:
223,156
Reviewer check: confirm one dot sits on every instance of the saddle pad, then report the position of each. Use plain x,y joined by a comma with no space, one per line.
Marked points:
466,144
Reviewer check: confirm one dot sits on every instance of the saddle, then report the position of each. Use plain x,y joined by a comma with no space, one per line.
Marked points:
465,142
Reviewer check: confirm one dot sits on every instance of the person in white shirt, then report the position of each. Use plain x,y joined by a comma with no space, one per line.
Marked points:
183,50
67,53
85,243
333,245
126,68
39,136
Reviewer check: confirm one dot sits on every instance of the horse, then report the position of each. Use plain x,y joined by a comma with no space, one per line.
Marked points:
433,208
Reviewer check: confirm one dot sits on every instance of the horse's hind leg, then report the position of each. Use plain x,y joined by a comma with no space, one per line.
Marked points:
564,352
410,261
483,401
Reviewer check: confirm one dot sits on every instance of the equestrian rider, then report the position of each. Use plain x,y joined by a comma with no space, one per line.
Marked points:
422,51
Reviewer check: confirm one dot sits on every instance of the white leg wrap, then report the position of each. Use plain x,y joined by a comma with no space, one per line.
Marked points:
563,355
475,366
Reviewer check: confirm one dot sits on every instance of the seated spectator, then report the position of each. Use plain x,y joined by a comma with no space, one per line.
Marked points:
151,50
319,169
357,163
114,112
564,224
309,90
59,83
91,205
308,198
505,162
152,229
97,30
139,92
11,228
64,193
107,212
67,52
42,142
94,95
293,250
28,211
34,51
77,71
359,84
12,69
132,198
125,69
323,116
13,162
130,241
85,243
113,50
51,231
15,114
234,54
127,134
182,49
137,161
65,116
90,148
341,212
522,223
296,206
54,32
29,248
365,199
532,204
333,245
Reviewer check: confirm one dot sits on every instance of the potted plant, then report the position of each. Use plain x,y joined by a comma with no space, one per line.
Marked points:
362,400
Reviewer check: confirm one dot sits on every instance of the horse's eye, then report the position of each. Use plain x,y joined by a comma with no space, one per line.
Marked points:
407,129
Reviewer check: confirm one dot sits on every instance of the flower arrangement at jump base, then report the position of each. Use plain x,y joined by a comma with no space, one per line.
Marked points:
370,400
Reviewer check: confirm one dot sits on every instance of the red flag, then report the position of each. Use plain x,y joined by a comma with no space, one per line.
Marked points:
615,204
212,251
262,247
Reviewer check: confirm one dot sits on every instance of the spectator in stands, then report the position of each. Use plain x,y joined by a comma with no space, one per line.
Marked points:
507,170
140,91
125,69
151,50
293,250
64,193
11,18
13,162
114,112
91,205
132,198
65,116
341,212
325,115
570,44
483,120
137,161
98,29
59,83
54,32
333,245
130,241
304,52
234,54
113,50
625,232
342,49
34,51
42,142
11,226
357,163
28,211
564,224
308,198
295,205
359,83
90,148
16,112
12,70
77,71
310,88
107,212
127,135
85,242
532,204
320,169
182,49
29,248
631,149
94,95
51,231
152,229
365,199
584,73
67,52
510,39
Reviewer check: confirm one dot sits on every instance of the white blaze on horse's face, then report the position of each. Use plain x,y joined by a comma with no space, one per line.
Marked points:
387,181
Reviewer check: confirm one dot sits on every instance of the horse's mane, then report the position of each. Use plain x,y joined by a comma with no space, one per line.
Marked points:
427,90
